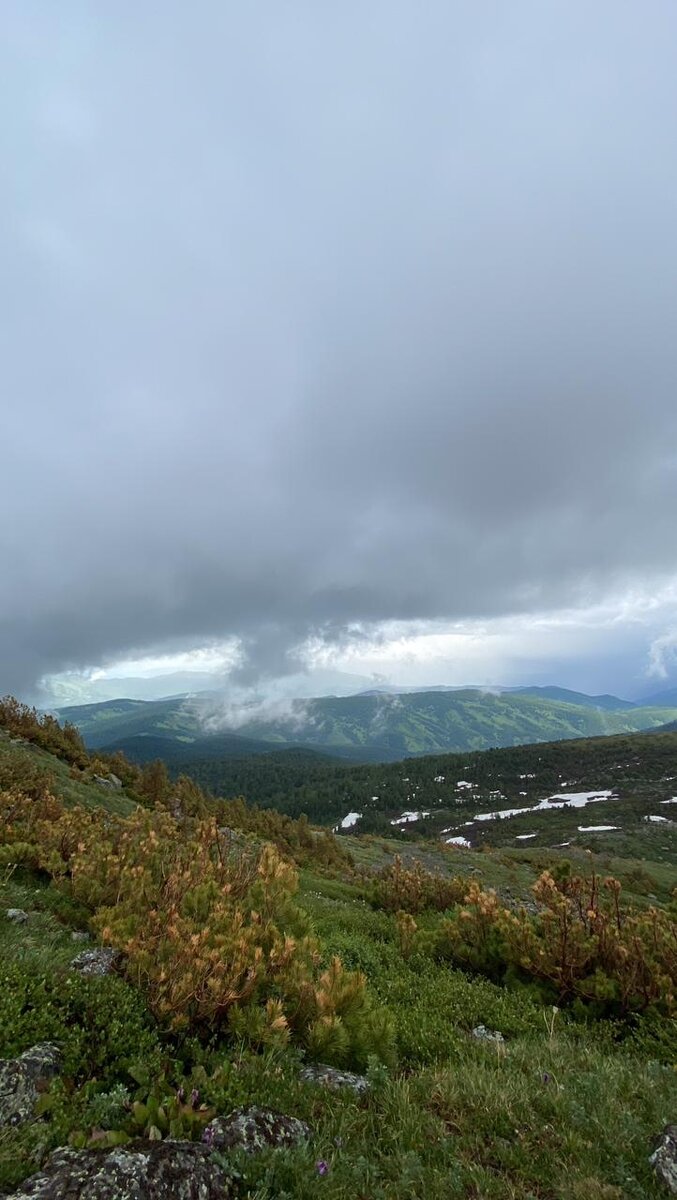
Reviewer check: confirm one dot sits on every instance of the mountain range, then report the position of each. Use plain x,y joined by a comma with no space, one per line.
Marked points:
378,725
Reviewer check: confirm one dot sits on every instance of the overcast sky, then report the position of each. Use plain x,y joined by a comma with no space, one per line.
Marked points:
318,317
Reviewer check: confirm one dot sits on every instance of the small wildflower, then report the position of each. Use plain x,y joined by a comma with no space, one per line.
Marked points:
322,1167
208,1136
338,1141
194,1097
547,1077
181,1095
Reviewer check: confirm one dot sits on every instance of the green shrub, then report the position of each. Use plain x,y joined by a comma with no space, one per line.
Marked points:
101,1025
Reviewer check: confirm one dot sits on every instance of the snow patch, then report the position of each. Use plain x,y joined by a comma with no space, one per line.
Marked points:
596,828
459,841
409,816
349,820
559,800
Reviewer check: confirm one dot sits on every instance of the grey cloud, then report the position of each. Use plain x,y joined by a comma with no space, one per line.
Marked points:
317,316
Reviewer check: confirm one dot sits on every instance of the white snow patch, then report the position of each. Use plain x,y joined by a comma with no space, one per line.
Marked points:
463,783
596,828
659,820
350,819
409,816
559,800
459,841
673,801
524,837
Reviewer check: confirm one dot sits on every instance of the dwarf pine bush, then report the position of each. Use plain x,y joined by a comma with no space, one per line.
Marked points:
582,947
211,933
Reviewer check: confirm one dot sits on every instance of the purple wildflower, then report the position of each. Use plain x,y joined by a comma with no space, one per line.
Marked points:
322,1167
547,1077
181,1095
208,1136
194,1097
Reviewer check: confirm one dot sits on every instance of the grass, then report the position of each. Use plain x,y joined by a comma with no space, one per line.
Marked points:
563,1110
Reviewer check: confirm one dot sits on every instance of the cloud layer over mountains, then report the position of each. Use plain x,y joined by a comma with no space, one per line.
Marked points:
316,316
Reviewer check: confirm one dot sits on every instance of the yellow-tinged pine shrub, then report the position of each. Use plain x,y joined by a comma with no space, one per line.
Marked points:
213,935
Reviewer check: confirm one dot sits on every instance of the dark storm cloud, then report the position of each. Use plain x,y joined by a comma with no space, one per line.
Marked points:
319,314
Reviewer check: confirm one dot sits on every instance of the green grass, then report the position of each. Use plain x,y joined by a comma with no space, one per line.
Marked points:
19,760
565,1110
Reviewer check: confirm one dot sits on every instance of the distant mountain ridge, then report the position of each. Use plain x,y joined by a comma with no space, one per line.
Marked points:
377,726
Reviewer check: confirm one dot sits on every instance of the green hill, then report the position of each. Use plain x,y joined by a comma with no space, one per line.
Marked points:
493,1067
379,727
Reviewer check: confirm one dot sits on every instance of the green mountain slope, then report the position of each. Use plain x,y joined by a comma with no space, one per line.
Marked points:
369,727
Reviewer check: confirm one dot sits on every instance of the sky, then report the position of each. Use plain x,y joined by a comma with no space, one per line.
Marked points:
338,338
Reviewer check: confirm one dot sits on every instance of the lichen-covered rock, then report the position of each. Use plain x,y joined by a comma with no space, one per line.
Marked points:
17,915
108,781
332,1078
253,1129
139,1171
79,935
101,961
482,1034
664,1159
22,1079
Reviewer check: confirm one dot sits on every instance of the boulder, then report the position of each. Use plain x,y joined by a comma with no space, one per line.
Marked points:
253,1129
138,1171
664,1159
101,961
482,1034
331,1077
17,915
105,781
23,1078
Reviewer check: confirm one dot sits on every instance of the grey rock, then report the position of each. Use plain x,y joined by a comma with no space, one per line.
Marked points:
139,1171
105,781
23,1078
664,1159
332,1078
482,1034
79,935
101,961
253,1129
17,915
117,782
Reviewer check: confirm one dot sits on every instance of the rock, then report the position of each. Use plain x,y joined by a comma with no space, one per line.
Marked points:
101,961
17,915
138,1171
23,1078
79,935
105,781
332,1078
115,780
482,1034
664,1159
253,1129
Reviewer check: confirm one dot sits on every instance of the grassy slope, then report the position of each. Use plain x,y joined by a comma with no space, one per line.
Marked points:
15,758
565,1113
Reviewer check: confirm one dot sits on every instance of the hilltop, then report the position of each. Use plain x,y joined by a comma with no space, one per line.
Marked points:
468,1082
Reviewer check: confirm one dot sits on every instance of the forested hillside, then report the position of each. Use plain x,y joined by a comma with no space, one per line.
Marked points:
374,727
